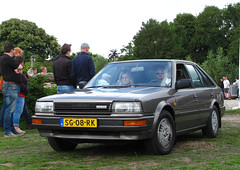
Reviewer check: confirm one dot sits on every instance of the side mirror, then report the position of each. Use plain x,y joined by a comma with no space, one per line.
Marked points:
81,84
183,83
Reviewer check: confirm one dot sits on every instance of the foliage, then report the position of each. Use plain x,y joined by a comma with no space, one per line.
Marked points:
208,35
38,65
33,40
185,29
113,56
217,66
156,40
233,46
192,38
37,90
127,52
99,62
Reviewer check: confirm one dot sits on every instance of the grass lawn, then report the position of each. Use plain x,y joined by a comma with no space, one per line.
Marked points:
191,151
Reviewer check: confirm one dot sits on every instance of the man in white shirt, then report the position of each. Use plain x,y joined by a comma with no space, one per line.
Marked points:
226,84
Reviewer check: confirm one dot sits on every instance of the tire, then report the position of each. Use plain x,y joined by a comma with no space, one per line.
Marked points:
61,145
211,130
164,135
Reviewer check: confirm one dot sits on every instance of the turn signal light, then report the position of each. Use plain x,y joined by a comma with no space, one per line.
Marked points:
36,121
134,122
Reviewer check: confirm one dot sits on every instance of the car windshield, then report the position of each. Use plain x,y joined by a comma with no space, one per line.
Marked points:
137,73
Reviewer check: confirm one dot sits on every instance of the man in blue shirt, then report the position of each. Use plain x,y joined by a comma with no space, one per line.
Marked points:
83,68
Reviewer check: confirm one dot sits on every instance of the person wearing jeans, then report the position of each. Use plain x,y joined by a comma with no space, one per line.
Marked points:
17,113
10,71
27,116
2,113
10,92
65,89
62,70
21,98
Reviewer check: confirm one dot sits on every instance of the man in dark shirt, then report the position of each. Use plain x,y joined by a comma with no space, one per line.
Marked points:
83,68
62,70
10,70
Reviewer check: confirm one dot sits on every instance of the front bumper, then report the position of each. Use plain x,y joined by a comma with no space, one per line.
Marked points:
107,129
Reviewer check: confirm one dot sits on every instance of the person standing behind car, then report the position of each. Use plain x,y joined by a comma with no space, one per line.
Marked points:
62,70
21,101
83,68
10,70
17,51
226,84
220,84
25,113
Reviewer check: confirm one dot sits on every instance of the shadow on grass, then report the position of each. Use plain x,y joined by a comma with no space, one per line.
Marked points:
117,149
134,148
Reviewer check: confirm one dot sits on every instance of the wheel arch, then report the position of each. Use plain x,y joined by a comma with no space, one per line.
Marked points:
163,105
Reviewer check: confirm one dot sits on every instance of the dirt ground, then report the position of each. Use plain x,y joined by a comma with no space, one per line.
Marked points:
235,119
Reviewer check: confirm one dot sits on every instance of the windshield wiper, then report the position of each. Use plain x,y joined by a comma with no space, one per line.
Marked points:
94,86
117,86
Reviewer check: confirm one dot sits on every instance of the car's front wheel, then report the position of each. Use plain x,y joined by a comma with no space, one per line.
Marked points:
164,135
211,130
61,145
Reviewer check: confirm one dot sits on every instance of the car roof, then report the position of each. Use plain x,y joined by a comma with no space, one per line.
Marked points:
154,60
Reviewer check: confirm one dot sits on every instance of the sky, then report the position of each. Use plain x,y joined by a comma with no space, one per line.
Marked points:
103,24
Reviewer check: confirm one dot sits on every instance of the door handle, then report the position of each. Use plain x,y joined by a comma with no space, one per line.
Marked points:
195,97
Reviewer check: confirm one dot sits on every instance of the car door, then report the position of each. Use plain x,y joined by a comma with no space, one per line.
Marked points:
186,108
204,94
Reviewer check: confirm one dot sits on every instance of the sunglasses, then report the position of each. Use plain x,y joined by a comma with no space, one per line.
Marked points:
161,72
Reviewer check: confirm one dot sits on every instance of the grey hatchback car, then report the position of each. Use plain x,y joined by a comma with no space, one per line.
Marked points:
140,100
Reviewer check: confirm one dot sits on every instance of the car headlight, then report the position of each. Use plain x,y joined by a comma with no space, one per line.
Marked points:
127,107
44,107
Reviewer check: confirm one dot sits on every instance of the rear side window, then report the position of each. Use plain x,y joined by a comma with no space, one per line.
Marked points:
206,78
199,78
197,81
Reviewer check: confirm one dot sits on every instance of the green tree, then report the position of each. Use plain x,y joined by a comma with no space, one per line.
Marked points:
127,52
209,34
233,46
99,62
33,40
185,30
232,31
217,65
157,40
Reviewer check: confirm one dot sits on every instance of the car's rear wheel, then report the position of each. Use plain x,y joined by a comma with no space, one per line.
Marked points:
164,135
61,145
211,130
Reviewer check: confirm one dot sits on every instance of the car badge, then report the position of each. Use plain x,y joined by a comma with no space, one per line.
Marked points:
101,106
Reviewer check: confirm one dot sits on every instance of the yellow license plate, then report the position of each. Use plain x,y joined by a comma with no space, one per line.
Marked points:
74,122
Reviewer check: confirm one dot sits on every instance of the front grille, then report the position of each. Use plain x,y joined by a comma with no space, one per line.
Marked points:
82,108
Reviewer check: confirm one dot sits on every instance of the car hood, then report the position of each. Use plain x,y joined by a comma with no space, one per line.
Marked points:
108,94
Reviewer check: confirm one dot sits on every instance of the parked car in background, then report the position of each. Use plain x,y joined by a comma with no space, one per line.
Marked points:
141,100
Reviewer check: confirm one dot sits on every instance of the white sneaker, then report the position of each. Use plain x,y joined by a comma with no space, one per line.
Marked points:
19,131
10,135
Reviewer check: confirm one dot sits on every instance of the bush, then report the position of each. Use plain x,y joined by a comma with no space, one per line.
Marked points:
37,90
